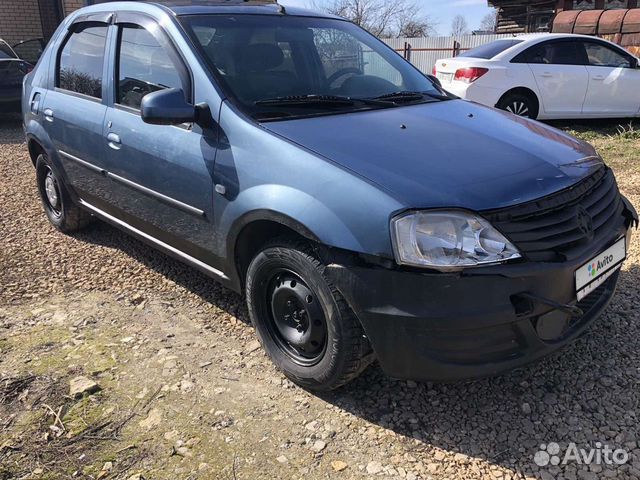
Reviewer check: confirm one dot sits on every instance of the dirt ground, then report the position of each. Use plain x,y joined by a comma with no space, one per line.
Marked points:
185,392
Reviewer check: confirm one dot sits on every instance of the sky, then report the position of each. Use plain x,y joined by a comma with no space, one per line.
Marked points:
442,11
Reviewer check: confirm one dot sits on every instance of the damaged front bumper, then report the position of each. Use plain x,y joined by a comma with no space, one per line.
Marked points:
480,322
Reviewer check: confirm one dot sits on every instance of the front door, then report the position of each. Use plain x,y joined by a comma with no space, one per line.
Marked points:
161,175
614,82
561,76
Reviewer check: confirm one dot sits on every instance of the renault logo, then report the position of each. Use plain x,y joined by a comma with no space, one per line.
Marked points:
585,222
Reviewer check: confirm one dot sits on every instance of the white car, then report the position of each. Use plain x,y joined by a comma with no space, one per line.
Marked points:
552,76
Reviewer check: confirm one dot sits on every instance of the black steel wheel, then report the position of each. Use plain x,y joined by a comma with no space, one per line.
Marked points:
302,321
297,322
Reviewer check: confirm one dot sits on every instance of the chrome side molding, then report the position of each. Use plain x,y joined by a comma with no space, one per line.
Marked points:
159,243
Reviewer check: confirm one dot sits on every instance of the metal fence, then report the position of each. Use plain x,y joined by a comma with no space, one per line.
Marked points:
423,52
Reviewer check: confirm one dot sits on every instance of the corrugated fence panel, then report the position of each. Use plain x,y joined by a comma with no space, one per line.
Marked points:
426,50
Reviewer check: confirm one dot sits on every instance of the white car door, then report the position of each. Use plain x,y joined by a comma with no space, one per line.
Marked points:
614,81
561,75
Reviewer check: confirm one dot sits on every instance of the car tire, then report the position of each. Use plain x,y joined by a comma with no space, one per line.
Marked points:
61,211
302,321
519,104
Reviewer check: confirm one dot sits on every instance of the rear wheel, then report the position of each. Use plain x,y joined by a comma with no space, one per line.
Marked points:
519,104
60,209
303,323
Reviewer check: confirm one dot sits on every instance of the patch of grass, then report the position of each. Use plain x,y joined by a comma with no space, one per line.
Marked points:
86,412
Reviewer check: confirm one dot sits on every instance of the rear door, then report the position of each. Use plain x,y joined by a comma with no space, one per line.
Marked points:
614,81
560,72
74,107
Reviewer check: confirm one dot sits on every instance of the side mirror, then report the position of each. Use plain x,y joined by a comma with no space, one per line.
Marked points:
435,80
635,63
167,107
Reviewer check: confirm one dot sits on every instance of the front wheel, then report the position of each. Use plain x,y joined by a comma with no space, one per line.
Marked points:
519,104
303,323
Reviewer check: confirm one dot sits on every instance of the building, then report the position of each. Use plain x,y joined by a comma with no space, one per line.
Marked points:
524,16
27,19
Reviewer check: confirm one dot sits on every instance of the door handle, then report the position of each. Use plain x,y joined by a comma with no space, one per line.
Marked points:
35,104
114,141
48,115
598,77
546,75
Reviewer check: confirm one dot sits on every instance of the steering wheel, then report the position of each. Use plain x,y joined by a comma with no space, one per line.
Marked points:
342,72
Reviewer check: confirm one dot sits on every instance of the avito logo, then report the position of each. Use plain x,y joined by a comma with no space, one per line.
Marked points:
595,267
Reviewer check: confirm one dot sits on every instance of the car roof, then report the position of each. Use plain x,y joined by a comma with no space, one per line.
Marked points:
541,37
203,7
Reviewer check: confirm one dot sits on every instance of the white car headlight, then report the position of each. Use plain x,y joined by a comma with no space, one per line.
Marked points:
448,240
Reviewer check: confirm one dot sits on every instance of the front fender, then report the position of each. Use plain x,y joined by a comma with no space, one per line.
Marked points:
290,207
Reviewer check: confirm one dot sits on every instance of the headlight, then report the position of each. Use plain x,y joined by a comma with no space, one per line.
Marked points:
448,240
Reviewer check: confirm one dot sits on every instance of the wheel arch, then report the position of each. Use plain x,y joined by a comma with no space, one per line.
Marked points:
522,91
253,230
35,149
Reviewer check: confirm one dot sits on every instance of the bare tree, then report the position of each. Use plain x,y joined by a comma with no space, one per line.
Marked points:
416,28
384,18
413,25
459,26
489,22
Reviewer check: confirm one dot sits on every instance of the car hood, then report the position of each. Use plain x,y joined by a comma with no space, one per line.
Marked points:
446,154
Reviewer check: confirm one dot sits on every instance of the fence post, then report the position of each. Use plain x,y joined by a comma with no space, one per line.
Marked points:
407,51
456,48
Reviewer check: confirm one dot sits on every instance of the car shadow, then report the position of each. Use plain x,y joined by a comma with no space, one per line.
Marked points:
584,393
503,420
199,284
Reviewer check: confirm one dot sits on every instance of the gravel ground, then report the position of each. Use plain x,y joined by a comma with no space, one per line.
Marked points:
177,361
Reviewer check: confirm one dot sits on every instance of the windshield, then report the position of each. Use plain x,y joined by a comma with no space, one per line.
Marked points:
490,50
286,66
6,51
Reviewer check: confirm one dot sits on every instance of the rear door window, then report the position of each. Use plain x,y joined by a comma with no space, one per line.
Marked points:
82,59
144,67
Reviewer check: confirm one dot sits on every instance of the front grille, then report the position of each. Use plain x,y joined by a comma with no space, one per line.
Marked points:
550,230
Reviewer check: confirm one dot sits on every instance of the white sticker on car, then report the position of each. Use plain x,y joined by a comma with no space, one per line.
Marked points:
593,273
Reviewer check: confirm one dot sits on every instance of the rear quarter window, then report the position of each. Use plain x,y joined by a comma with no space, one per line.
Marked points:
491,50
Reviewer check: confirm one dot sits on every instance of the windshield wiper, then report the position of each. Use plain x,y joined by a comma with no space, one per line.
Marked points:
322,100
408,96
